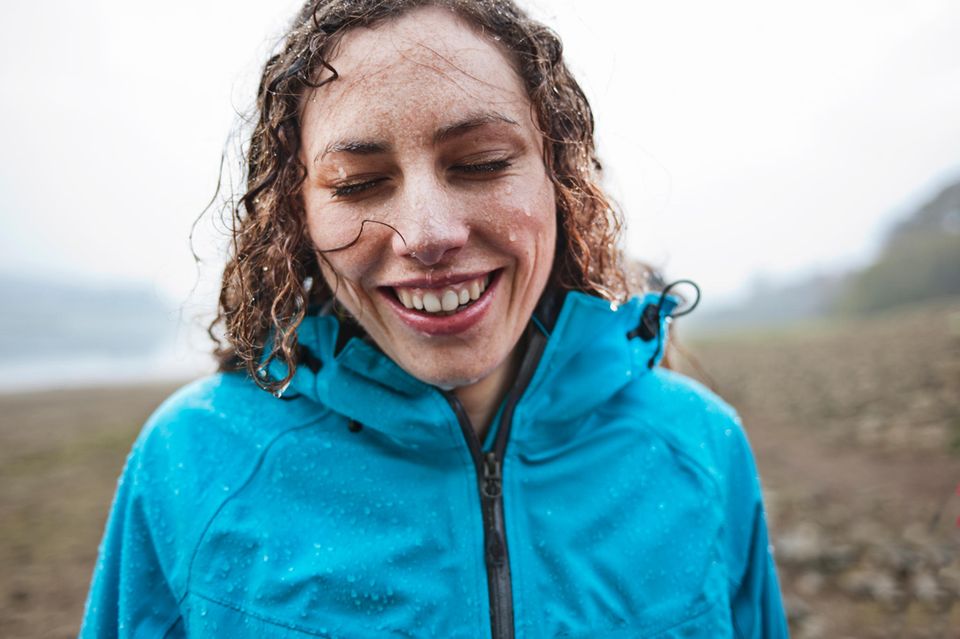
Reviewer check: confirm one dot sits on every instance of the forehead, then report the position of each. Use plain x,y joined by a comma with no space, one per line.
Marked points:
424,68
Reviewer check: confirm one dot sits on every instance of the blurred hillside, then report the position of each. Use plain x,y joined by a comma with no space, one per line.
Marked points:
918,261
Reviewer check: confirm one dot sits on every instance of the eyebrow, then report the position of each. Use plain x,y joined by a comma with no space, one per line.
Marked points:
356,147
469,123
374,147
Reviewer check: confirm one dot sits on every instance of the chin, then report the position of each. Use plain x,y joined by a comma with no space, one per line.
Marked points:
448,380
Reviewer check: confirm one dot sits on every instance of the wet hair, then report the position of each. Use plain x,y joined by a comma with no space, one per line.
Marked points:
272,276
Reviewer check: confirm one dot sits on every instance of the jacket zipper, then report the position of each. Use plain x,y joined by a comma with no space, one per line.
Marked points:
489,466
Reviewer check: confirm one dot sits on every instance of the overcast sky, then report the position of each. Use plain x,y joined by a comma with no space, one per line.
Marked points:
743,138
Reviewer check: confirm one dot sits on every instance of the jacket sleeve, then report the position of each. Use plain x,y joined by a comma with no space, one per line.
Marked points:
129,594
756,605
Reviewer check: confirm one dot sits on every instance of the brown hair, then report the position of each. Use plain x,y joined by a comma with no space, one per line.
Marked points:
272,275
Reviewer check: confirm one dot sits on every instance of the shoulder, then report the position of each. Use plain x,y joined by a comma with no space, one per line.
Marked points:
665,399
219,416
696,422
212,432
197,451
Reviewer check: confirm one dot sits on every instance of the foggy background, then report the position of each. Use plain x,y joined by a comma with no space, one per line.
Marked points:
750,144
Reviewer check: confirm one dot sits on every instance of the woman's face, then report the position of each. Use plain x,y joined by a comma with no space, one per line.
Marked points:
426,144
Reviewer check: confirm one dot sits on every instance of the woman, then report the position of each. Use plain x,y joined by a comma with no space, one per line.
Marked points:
467,434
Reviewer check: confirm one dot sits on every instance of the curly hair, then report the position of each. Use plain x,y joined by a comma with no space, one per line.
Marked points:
272,275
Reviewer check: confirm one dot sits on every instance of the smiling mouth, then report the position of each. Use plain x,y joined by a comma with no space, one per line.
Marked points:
447,300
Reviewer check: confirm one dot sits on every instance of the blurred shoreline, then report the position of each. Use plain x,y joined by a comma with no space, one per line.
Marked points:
97,371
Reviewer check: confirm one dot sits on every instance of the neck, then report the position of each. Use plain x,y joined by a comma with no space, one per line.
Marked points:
481,399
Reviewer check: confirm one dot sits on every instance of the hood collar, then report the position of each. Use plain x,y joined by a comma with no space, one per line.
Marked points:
594,348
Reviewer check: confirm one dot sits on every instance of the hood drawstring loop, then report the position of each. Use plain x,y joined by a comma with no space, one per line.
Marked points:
654,314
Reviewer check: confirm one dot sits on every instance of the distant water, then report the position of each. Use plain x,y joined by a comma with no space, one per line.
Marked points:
82,370
61,334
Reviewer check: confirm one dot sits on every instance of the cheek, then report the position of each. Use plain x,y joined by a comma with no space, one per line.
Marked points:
530,223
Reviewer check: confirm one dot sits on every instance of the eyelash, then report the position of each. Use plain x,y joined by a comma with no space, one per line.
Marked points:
346,190
484,167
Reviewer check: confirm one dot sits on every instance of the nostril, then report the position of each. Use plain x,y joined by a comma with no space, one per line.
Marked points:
431,255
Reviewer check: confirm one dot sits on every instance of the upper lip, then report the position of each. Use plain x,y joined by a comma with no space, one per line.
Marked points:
438,281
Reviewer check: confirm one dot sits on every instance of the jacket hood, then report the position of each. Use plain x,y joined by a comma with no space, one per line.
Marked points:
593,350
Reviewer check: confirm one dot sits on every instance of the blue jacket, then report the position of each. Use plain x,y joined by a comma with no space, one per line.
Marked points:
611,499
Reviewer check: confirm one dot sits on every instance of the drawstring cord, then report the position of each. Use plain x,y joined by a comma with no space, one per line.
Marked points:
653,314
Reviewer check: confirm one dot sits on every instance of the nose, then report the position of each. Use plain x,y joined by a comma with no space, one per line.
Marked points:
434,229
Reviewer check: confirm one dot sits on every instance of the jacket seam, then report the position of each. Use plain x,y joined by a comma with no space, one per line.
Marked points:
260,616
667,438
652,630
707,608
253,473
704,472
738,583
172,625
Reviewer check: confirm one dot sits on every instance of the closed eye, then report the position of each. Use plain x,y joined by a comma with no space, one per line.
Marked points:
353,188
349,189
483,167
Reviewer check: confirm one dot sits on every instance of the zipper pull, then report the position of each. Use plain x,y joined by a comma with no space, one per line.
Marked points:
492,487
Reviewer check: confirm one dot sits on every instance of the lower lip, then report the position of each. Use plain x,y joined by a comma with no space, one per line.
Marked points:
445,324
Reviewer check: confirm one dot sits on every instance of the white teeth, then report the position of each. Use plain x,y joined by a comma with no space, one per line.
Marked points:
445,300
450,300
431,303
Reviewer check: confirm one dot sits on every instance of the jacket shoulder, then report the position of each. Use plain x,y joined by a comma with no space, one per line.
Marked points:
197,450
695,421
688,409
225,412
